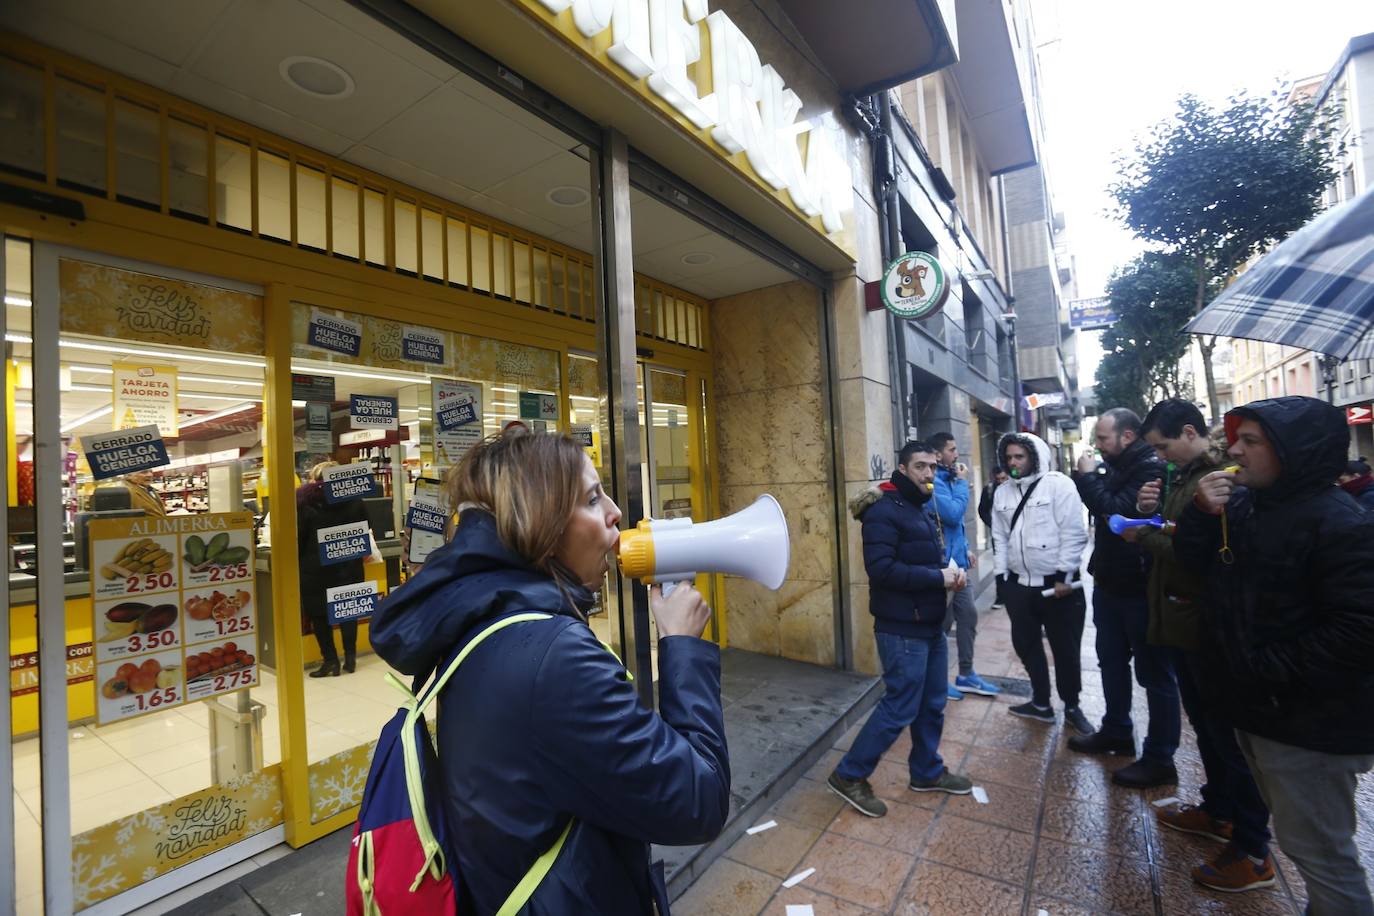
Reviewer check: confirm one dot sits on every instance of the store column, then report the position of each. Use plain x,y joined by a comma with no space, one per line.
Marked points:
610,176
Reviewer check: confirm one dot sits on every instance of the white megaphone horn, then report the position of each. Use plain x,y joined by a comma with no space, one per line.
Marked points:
751,543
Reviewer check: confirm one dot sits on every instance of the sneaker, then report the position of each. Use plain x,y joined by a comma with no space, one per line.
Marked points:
1195,820
858,793
1102,743
1074,719
1031,711
1146,774
949,782
954,693
998,606
972,683
1233,871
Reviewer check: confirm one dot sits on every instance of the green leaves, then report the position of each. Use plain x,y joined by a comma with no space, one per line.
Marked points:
1212,187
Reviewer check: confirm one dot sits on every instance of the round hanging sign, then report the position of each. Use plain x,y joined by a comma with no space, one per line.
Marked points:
915,286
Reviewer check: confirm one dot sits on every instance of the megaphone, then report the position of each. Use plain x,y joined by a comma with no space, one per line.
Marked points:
751,543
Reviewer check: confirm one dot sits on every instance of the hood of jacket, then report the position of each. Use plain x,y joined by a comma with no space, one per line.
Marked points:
472,578
1041,459
1309,436
1358,485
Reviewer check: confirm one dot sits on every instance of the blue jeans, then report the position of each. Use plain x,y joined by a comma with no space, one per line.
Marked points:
916,678
1122,621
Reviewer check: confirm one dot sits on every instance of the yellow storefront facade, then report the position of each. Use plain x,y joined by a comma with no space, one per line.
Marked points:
239,349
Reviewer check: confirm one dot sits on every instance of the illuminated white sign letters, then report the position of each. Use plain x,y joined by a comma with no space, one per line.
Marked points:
750,109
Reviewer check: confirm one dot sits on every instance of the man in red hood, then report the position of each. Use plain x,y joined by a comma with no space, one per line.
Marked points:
1288,631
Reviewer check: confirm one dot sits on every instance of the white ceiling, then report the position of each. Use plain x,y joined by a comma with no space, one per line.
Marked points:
411,116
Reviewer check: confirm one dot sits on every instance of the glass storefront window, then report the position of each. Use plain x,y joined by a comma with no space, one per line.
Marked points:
368,395
166,595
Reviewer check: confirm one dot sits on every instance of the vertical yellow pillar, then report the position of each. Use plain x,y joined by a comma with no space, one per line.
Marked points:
12,445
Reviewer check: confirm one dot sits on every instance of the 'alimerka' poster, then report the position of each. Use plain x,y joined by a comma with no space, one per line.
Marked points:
175,612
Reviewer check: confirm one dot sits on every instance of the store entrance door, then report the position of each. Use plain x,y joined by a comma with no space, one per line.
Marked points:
671,408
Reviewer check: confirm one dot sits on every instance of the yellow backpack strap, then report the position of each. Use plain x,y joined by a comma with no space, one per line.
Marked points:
434,863
525,889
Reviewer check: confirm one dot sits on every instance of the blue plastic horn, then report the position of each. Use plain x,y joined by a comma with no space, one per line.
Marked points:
1119,523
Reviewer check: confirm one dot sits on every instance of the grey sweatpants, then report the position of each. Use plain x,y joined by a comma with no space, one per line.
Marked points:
964,614
1312,797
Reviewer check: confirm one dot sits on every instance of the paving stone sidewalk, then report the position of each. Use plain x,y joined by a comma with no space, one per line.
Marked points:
1056,835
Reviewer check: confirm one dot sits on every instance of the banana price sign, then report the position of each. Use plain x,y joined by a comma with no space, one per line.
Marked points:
175,615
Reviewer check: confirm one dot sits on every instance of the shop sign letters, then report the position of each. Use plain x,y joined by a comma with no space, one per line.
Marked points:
349,481
345,603
125,451
338,335
750,108
341,543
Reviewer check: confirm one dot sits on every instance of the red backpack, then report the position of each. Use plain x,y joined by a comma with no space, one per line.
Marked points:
402,858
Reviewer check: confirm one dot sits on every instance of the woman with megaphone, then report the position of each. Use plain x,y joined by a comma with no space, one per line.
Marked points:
545,752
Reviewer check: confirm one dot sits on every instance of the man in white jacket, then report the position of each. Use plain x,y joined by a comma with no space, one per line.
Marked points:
1038,534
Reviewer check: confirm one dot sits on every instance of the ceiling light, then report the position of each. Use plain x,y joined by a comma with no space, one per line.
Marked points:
20,300
206,418
697,258
316,77
87,417
416,379
568,196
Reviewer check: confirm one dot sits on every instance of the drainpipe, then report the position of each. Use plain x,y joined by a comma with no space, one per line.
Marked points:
885,190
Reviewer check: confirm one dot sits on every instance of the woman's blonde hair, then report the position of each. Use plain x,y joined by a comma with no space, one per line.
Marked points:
317,472
530,483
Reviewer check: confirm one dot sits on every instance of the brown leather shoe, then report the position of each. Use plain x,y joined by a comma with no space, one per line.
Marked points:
1233,871
1195,820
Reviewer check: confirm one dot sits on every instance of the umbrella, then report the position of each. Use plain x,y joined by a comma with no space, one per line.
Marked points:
1314,291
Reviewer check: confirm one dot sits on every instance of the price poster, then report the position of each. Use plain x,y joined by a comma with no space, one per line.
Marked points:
175,610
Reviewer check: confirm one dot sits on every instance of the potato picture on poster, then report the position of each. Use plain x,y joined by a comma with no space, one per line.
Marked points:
141,685
134,567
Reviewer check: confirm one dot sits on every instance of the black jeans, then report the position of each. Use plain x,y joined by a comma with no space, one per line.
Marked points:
1061,621
324,635
1231,793
1122,622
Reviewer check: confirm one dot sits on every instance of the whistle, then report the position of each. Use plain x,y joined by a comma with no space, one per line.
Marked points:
1231,468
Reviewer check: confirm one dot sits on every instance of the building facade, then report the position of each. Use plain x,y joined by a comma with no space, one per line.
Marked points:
369,233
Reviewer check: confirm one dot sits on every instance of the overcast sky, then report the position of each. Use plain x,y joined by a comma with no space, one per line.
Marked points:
1112,69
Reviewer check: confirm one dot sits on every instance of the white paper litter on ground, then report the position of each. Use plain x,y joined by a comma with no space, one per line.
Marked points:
798,878
800,909
980,795
767,825
1042,913
1164,802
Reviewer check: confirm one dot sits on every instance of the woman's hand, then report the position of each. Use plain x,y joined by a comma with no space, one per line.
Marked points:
682,613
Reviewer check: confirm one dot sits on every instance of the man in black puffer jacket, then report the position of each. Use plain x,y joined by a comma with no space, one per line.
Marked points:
1121,609
907,578
1289,629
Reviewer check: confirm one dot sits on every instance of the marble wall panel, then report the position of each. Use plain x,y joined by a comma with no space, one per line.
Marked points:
782,443
767,338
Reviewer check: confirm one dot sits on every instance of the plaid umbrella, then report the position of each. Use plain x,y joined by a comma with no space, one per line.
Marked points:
1315,290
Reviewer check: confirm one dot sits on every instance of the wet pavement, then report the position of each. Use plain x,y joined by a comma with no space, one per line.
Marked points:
1055,837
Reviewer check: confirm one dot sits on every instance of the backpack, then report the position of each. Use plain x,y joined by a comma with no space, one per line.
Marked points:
402,860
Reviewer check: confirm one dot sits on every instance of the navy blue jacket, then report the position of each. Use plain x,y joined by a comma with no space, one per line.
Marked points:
540,724
904,561
1289,623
